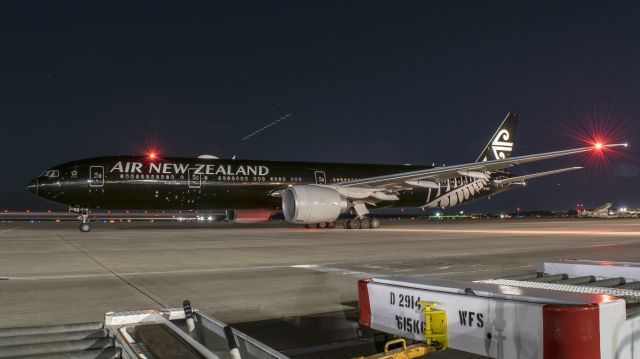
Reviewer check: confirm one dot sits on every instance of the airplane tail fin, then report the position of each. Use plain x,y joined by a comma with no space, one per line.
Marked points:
501,143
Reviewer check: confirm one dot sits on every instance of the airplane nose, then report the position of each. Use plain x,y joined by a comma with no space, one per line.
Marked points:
33,186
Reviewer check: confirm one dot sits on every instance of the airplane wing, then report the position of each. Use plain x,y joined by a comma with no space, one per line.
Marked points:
521,179
474,169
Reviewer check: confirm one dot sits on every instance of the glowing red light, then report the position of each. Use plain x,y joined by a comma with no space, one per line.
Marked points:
598,146
152,155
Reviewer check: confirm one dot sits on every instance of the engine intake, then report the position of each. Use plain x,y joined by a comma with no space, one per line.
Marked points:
309,204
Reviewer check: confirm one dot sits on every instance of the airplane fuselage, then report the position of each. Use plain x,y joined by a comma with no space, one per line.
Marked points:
139,182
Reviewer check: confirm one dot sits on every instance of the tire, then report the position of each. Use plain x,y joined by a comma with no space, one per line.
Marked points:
375,223
331,224
322,225
85,227
347,224
307,226
354,223
365,223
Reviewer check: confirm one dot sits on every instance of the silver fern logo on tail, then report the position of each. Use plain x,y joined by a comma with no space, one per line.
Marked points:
500,145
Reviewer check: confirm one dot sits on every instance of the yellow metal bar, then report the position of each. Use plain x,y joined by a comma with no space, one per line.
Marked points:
435,335
395,341
435,332
406,352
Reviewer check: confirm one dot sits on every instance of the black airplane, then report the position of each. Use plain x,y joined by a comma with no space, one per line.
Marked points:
313,194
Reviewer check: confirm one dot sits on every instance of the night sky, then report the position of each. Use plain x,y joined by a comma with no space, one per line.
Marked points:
372,82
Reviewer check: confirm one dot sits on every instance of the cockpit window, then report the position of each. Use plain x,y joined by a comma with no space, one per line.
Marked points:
50,173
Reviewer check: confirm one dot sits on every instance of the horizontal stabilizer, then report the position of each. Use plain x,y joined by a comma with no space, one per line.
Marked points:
534,175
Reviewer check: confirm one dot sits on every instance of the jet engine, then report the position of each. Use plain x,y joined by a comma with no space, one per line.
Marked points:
309,204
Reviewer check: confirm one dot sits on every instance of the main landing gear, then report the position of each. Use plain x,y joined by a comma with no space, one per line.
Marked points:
360,221
83,216
322,225
364,223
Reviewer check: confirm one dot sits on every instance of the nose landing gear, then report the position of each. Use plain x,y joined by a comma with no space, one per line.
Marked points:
83,216
85,227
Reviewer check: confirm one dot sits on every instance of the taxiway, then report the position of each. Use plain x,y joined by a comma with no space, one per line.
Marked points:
292,288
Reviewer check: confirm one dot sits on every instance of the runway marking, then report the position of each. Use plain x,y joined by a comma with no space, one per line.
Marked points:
606,245
515,231
360,274
182,271
145,292
472,271
339,271
10,229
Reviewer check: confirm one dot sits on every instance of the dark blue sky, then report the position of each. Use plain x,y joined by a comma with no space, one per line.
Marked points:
385,82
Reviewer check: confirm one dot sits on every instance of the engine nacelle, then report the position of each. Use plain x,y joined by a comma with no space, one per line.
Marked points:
308,204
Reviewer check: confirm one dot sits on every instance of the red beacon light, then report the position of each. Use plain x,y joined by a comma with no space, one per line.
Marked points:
152,155
598,146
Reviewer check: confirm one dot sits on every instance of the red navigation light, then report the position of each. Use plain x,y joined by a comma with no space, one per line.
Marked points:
152,155
598,145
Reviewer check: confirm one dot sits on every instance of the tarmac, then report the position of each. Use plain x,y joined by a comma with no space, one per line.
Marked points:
292,288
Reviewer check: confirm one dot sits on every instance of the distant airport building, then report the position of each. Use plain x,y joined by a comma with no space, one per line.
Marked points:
607,211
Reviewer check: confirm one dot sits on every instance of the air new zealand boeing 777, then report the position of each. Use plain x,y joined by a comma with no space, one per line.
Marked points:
306,192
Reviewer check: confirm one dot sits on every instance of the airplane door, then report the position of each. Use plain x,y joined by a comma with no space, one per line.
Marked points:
96,176
194,180
321,177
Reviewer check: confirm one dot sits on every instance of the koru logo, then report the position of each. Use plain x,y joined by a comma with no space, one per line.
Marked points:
500,146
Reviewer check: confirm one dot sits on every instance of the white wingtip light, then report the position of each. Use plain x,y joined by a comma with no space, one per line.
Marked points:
611,145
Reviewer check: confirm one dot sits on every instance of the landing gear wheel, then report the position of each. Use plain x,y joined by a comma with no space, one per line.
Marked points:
375,223
346,223
322,225
365,223
354,223
307,226
331,224
85,227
